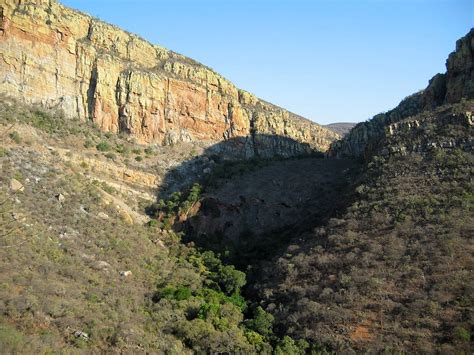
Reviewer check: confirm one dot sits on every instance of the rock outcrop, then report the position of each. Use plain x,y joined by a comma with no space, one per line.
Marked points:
443,89
65,59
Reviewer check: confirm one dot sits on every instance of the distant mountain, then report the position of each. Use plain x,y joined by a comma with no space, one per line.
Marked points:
341,128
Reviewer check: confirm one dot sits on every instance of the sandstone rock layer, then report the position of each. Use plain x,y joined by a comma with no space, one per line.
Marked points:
65,59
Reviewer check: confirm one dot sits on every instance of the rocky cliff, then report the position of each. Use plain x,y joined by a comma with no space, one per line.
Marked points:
455,85
91,70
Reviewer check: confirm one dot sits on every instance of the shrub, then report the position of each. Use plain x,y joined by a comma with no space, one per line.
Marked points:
288,346
208,310
153,223
230,279
462,334
258,341
138,158
110,156
88,143
172,293
182,293
103,147
10,339
46,121
149,151
122,149
15,136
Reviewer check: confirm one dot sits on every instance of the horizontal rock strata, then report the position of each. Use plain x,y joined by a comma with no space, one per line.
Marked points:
65,59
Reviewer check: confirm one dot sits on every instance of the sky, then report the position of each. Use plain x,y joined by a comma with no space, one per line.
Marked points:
326,60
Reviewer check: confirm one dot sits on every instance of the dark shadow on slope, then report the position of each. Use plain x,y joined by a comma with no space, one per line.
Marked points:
236,154
259,192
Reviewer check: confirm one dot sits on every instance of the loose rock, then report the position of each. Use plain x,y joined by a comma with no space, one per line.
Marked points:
15,185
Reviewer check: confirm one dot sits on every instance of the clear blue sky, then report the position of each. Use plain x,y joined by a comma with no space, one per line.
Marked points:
327,60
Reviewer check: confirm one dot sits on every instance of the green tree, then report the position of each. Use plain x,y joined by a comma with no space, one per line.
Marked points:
262,322
231,280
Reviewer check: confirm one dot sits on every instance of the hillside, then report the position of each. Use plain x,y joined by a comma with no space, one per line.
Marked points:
394,272
84,269
64,59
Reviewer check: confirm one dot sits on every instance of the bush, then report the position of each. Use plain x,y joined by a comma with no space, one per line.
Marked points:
10,339
258,341
462,334
208,310
138,158
230,279
149,151
15,136
103,147
110,156
122,149
46,121
172,293
288,346
182,293
88,143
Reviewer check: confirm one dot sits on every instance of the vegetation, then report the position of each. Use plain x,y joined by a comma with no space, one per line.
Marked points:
394,271
103,147
173,297
15,136
389,272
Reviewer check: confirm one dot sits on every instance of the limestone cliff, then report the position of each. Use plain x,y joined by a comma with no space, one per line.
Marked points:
65,59
443,89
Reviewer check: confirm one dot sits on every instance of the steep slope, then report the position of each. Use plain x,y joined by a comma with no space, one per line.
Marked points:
339,259
243,216
65,59
394,272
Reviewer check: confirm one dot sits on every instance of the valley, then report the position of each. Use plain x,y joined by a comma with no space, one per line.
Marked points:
147,205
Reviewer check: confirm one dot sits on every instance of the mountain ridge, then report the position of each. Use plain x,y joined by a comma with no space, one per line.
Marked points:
448,88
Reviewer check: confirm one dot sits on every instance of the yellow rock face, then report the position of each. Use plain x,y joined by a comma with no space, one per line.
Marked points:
64,59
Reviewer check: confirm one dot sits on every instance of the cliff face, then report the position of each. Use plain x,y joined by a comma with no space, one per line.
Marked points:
64,59
443,89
